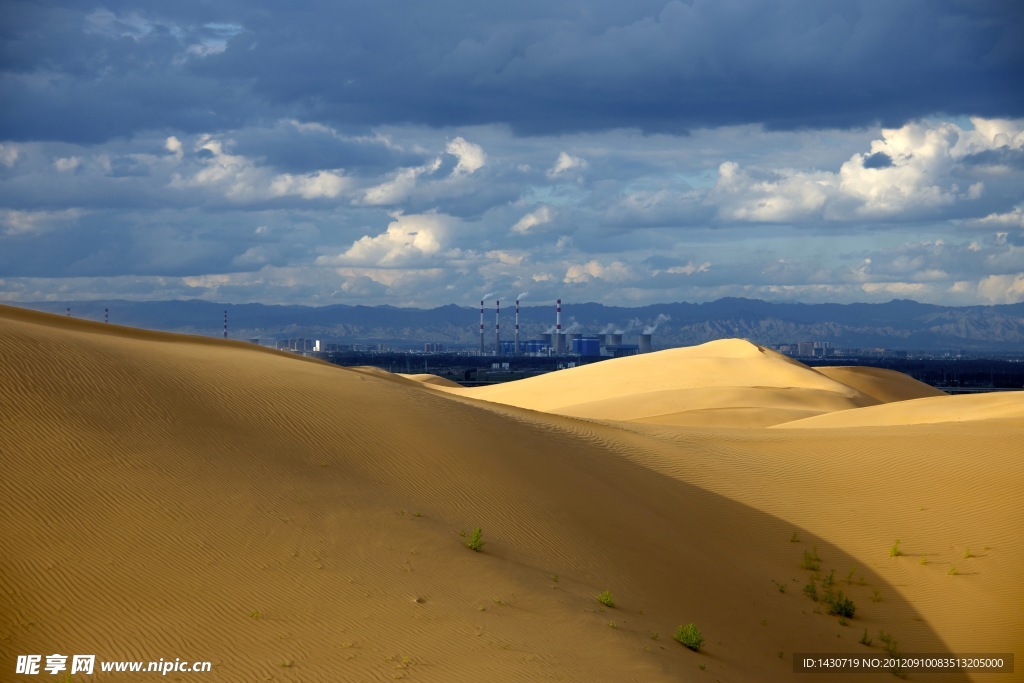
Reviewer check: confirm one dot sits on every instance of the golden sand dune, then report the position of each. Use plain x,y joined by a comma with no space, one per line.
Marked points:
730,382
883,385
1008,405
432,380
169,496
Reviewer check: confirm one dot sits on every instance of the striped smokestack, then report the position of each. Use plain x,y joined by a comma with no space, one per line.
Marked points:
497,328
558,326
225,324
481,327
516,346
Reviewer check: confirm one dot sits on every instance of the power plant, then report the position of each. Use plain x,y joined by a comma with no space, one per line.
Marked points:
557,342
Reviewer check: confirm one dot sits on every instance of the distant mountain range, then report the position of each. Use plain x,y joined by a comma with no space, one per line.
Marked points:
898,324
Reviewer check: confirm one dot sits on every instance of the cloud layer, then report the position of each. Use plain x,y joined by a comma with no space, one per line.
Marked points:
629,154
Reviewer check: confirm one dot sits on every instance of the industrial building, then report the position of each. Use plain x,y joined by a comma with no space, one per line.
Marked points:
556,342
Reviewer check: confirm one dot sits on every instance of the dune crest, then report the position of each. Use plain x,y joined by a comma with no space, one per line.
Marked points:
745,385
1004,405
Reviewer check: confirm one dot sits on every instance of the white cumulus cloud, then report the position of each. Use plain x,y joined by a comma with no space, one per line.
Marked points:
67,164
408,240
328,184
565,163
539,216
471,157
616,271
8,155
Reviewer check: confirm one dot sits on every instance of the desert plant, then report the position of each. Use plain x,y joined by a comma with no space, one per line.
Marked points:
895,551
891,646
795,538
474,542
849,577
968,554
690,636
829,580
840,604
952,570
865,639
811,590
606,599
811,560
876,596
654,635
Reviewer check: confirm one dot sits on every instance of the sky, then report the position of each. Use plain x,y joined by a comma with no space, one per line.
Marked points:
425,153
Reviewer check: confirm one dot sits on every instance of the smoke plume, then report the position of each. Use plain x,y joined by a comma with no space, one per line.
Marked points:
657,321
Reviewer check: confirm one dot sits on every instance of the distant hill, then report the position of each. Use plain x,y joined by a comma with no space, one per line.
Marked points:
898,324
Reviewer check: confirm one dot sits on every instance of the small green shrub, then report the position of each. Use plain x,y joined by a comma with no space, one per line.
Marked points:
606,599
811,560
849,577
829,580
474,542
876,596
811,590
865,639
968,554
952,570
891,646
840,604
795,538
690,636
895,551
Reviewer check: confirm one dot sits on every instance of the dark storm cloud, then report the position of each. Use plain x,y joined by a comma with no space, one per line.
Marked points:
878,160
102,71
293,148
1000,157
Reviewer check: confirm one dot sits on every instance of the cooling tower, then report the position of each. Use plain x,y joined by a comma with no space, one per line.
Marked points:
645,343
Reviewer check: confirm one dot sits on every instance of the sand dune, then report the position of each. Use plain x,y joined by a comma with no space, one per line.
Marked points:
1007,405
170,496
432,380
730,382
881,384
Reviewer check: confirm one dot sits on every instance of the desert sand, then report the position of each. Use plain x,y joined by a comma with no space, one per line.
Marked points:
171,496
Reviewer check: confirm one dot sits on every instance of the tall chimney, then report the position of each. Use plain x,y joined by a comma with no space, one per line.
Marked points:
516,346
558,327
106,315
497,328
481,327
225,324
